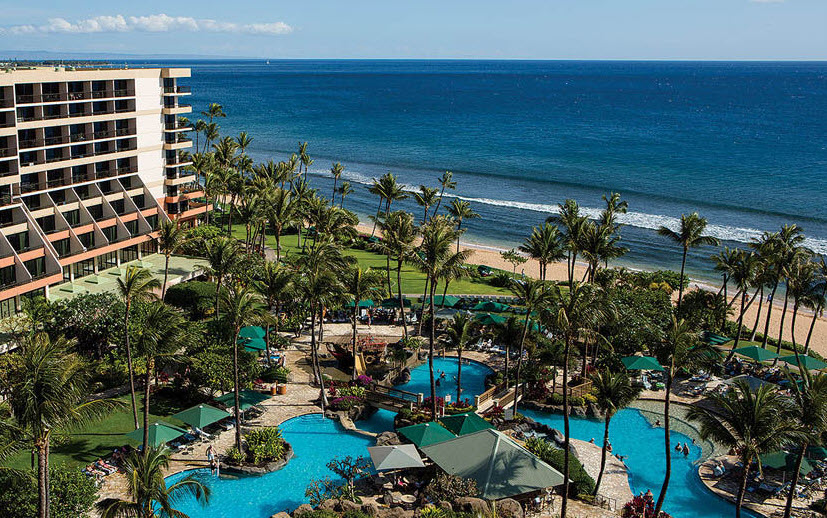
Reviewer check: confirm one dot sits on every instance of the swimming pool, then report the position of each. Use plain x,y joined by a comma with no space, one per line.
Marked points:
632,435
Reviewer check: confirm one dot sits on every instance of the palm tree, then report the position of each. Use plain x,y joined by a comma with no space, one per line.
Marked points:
304,158
388,190
48,394
544,245
336,170
459,337
790,251
689,235
360,284
222,254
767,247
243,140
801,282
614,392
572,221
344,190
509,333
170,238
749,422
743,273
203,164
281,212
818,300
200,127
242,306
150,495
680,350
399,234
136,285
446,181
210,135
426,197
535,296
276,285
435,260
214,111
725,262
461,210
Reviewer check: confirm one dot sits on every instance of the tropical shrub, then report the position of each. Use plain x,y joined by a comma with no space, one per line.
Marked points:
234,456
211,367
195,238
641,506
275,374
357,392
197,298
71,493
364,381
581,482
264,444
346,402
500,280
449,487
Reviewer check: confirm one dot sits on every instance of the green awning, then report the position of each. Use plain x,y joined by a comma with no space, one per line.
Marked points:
463,424
424,434
252,332
246,399
253,344
641,363
500,466
160,433
816,452
488,319
808,362
756,353
201,415
364,303
393,303
785,461
448,301
491,306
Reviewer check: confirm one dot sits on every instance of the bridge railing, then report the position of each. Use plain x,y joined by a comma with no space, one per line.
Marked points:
488,395
396,393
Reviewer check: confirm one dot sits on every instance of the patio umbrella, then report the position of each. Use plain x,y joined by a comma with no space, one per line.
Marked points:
159,433
816,452
395,457
468,422
252,332
490,306
808,362
253,344
246,399
641,363
756,353
424,434
448,301
488,319
393,303
446,313
201,415
364,303
785,461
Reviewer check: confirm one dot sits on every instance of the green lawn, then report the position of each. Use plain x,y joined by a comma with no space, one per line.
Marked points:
99,439
770,347
413,281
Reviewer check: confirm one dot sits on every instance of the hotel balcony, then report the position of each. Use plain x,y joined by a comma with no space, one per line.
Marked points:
176,141
177,90
170,127
176,110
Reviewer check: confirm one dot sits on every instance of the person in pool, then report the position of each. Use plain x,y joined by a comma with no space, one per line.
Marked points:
685,449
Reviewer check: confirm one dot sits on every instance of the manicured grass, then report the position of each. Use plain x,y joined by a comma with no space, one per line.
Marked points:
413,281
99,439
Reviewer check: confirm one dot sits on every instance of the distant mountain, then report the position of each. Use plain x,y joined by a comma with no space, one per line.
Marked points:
108,56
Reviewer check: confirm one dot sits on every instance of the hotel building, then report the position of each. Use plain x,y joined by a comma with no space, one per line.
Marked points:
91,161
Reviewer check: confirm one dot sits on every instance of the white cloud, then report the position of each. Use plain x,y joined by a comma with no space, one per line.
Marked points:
150,23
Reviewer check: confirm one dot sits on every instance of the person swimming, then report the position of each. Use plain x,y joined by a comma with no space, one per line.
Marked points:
685,449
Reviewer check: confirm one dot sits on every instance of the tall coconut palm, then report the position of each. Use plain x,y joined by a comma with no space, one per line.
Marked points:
222,255
446,181
345,190
243,140
767,247
544,245
818,300
461,210
679,350
801,281
689,235
743,273
199,128
572,222
399,235
614,392
360,284
388,190
535,296
150,495
203,164
135,285
214,111
242,306
749,422
281,212
425,198
49,394
304,158
210,135
170,238
277,286
791,250
336,171
434,258
459,337
725,262
509,333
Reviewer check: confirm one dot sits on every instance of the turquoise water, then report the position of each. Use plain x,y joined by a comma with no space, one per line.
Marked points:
632,435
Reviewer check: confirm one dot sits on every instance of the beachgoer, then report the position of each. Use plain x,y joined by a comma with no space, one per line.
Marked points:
213,466
685,449
678,447
608,446
437,382
591,440
657,422
210,454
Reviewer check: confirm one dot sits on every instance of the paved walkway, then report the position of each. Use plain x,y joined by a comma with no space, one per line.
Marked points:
615,483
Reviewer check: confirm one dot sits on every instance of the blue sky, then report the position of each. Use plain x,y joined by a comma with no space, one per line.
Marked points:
528,29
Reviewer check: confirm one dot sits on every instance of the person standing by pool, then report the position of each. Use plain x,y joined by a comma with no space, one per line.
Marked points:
210,454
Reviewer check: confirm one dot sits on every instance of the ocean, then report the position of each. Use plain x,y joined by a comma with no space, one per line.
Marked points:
744,144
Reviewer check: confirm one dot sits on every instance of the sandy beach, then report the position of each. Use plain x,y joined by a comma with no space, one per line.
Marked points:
557,272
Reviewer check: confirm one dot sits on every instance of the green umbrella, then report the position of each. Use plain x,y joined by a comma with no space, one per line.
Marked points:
461,424
201,415
424,434
785,461
488,319
160,433
393,303
490,306
756,353
246,399
816,452
253,344
252,332
364,303
808,362
448,301
641,363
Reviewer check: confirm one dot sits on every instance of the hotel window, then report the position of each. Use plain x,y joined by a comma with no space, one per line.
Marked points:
72,217
7,275
132,226
36,267
149,247
87,239
96,211
111,233
152,221
62,247
108,260
83,268
75,90
129,253
19,241
139,201
66,273
118,207
8,308
59,197
47,223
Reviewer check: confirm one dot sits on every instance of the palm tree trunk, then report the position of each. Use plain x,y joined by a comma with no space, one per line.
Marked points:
788,507
566,429
149,364
278,244
520,362
267,341
758,316
783,315
388,270
236,406
770,304
333,198
603,455
217,294
401,298
459,374
796,305
666,441
431,339
42,447
129,365
445,292
424,296
166,276
376,219
742,487
353,323
812,326
680,288
740,325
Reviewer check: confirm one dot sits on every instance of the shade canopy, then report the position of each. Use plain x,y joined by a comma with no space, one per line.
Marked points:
201,415
253,344
501,467
641,363
785,461
808,362
816,452
448,301
490,305
160,433
756,353
398,456
425,434
751,381
246,399
488,319
446,313
364,303
252,332
394,303
463,424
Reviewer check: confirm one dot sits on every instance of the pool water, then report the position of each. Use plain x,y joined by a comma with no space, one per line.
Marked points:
633,436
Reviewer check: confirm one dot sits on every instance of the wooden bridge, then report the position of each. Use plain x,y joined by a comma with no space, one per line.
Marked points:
393,399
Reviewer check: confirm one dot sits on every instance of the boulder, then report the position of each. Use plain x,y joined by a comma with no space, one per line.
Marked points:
347,506
371,509
387,439
302,509
468,504
509,508
395,512
280,515
403,377
445,504
329,505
